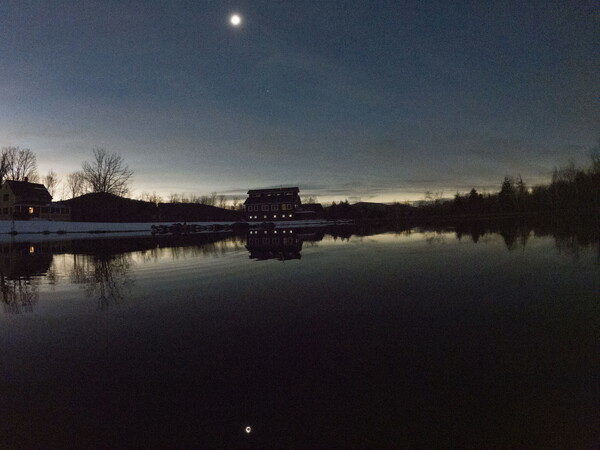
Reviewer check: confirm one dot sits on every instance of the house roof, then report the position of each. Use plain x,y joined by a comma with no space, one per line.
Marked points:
276,195
30,191
273,199
280,190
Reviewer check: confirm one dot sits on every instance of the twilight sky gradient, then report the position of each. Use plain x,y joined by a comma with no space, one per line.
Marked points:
378,100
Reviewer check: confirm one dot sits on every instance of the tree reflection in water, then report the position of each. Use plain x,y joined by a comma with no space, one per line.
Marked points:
21,267
18,295
107,278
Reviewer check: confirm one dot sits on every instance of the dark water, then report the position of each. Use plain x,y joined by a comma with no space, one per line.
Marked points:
414,339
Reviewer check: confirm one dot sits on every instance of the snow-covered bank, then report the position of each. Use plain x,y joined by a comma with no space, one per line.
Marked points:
45,226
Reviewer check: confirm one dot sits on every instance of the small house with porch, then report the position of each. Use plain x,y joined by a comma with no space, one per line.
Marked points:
23,200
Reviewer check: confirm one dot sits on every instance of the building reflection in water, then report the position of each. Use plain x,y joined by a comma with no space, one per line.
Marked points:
21,266
281,244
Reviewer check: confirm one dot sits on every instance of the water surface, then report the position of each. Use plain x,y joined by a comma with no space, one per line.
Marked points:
313,338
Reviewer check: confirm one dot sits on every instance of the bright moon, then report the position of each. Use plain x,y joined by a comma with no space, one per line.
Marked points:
235,20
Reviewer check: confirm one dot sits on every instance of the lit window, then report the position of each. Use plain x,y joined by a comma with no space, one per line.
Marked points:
275,231
274,216
30,210
290,215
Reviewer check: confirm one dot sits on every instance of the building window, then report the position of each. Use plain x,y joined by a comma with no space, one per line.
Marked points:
31,210
4,210
274,208
265,207
289,206
274,216
5,197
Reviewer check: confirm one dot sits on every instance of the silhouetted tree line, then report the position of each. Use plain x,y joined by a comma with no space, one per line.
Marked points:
368,211
572,192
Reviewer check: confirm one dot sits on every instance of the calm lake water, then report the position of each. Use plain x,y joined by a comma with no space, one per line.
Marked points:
413,339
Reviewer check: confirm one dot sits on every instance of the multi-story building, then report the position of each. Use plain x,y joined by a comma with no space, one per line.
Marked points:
24,200
272,204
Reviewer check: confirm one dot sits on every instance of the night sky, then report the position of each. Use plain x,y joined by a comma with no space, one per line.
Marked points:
370,100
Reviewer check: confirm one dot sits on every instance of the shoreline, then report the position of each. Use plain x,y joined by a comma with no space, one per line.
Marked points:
10,230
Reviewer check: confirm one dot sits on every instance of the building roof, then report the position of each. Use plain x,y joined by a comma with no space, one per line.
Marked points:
30,191
280,190
273,199
276,195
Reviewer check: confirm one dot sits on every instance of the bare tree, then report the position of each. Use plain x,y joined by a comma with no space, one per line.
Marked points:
212,200
434,197
107,173
5,161
234,203
18,164
75,184
222,201
174,198
51,181
309,199
150,197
